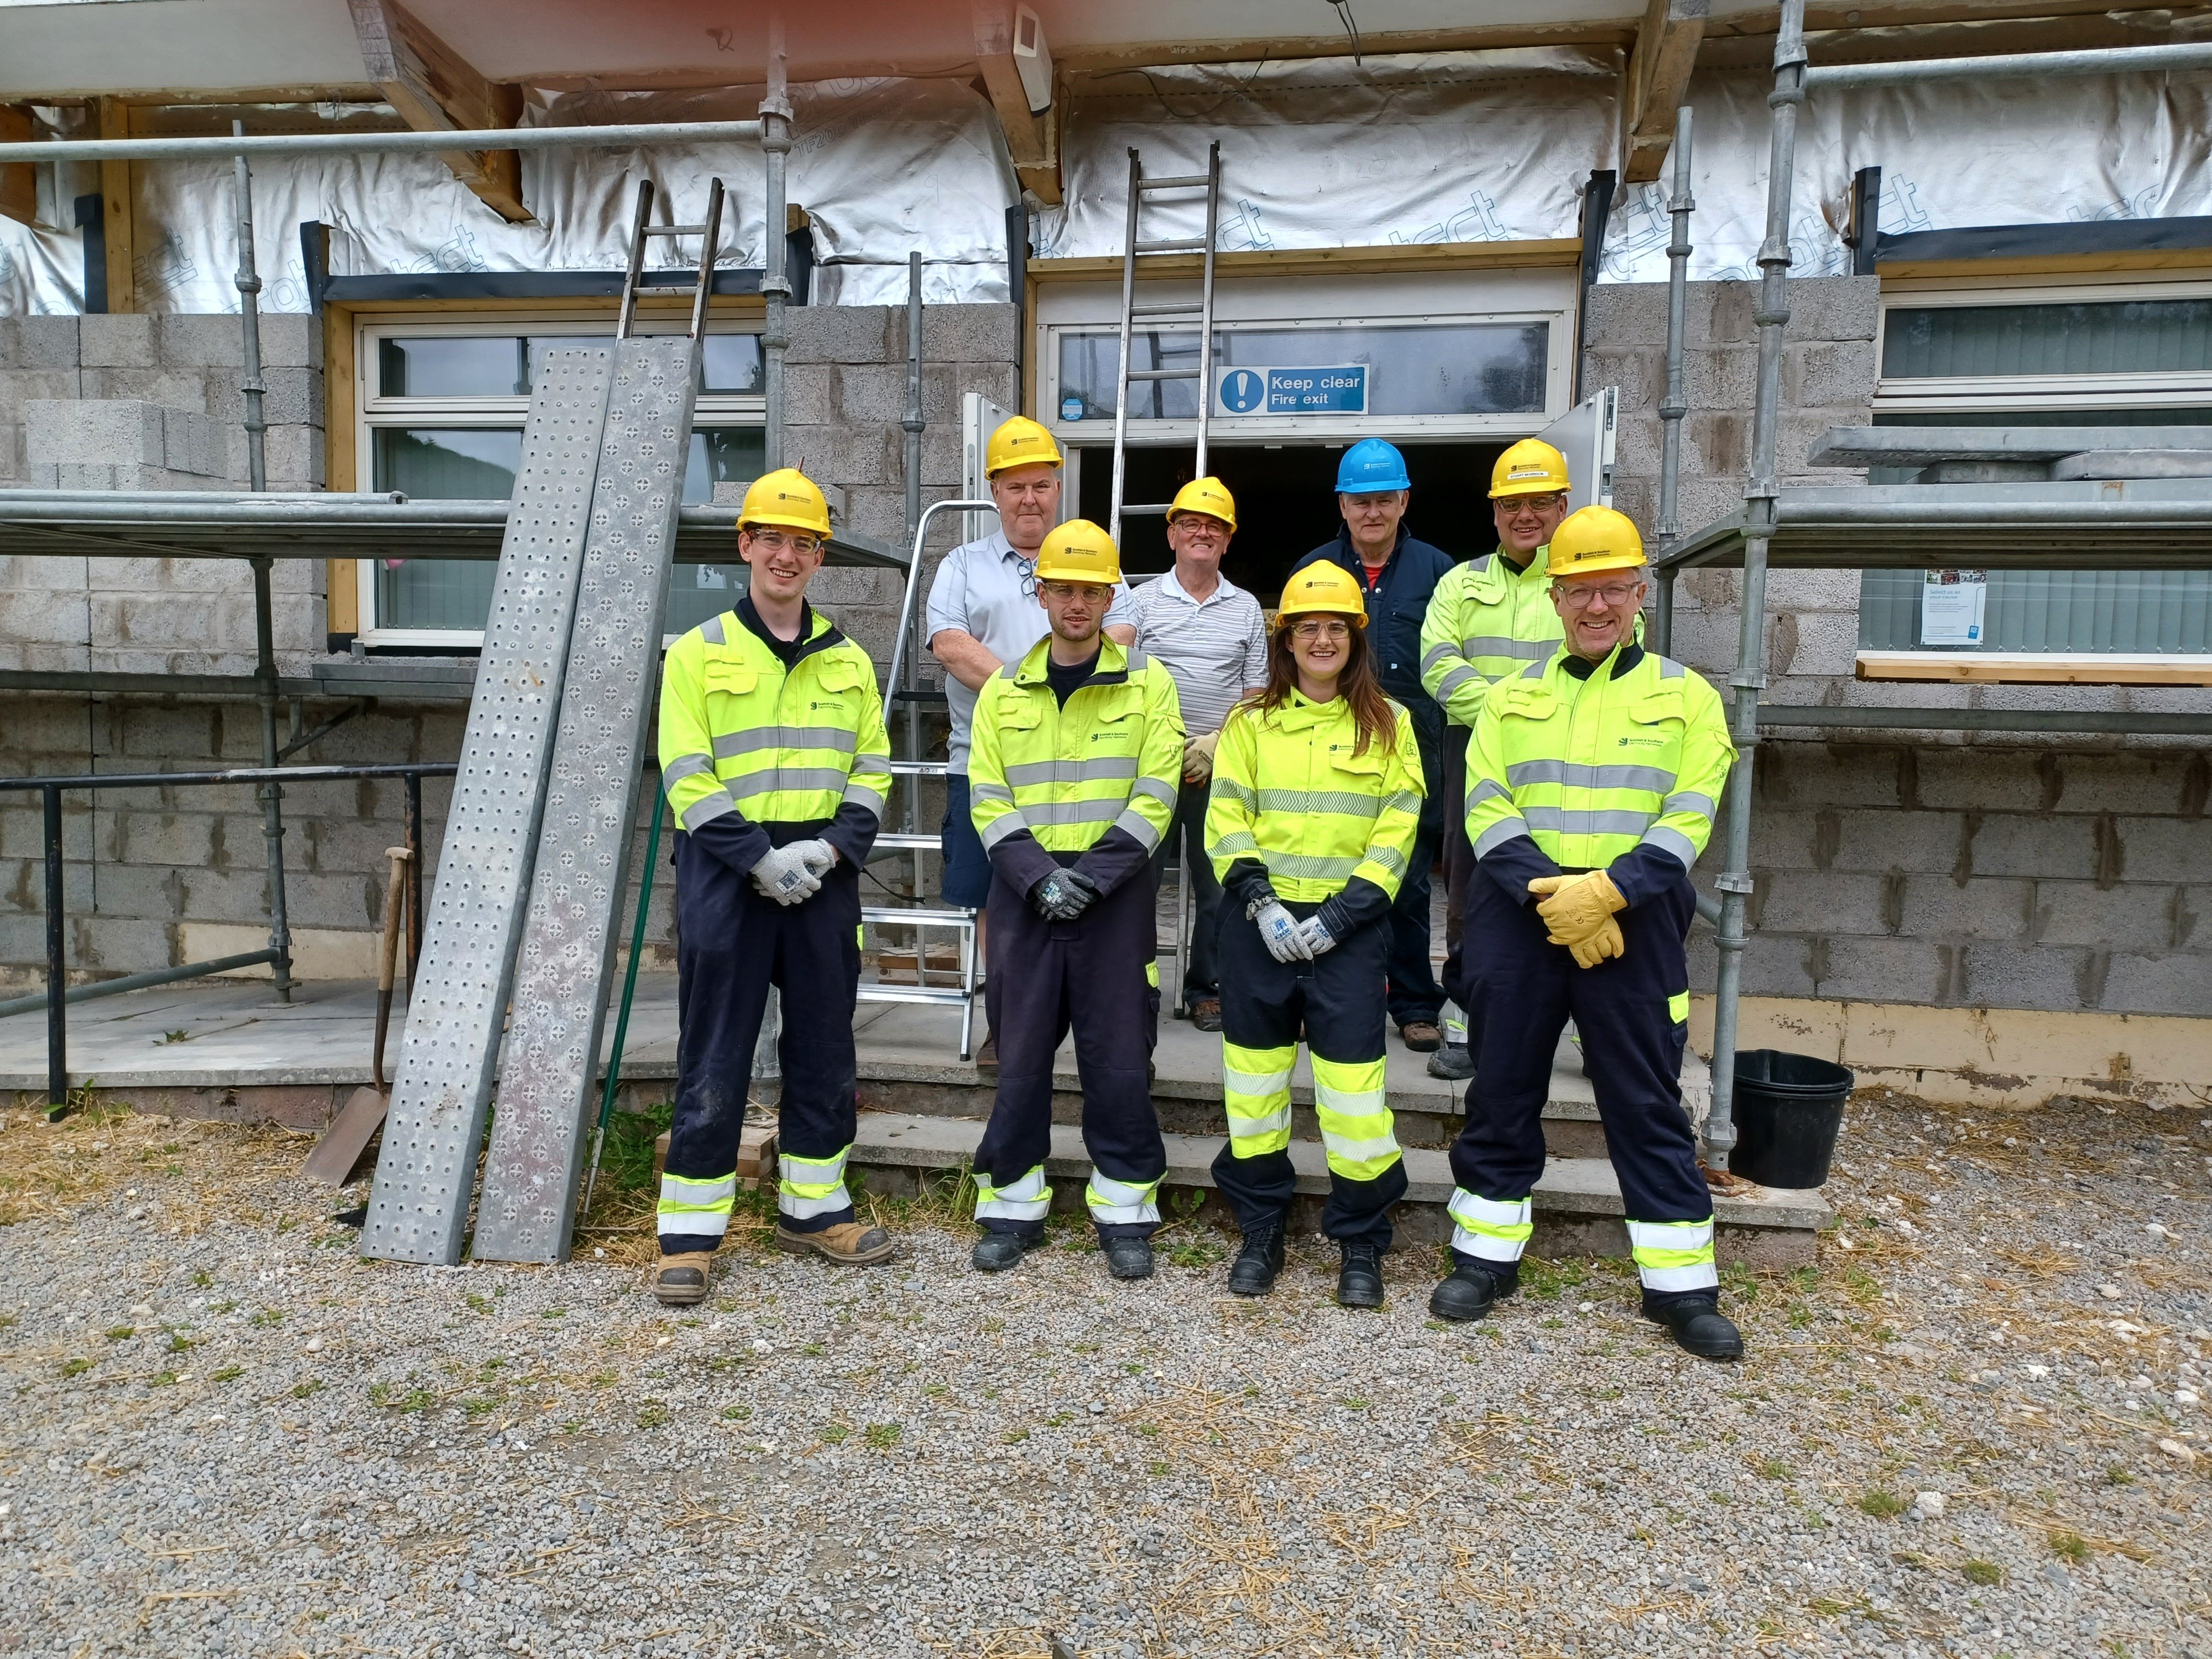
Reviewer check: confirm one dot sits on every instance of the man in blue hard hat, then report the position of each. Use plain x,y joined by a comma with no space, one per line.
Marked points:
1397,574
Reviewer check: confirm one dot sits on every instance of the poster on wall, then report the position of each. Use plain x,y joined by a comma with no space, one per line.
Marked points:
1952,607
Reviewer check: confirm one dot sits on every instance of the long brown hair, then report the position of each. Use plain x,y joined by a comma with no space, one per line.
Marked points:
1357,685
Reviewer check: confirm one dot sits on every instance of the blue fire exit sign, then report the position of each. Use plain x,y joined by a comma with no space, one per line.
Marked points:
1331,389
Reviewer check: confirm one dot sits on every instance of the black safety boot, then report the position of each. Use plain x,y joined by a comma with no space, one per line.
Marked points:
1128,1258
1253,1273
1697,1324
996,1252
1359,1280
1453,1062
1472,1286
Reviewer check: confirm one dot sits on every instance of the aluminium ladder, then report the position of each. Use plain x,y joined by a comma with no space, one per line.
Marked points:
1200,310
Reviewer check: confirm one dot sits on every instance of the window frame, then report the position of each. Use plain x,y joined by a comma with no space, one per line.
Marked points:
372,412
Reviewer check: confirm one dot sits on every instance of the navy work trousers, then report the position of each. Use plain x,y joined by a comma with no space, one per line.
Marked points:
1414,993
731,944
1093,974
1519,991
1187,834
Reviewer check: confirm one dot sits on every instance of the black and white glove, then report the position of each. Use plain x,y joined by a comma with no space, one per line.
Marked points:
1063,896
782,875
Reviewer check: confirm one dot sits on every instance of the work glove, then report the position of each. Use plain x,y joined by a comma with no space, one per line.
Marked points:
818,855
1315,931
1063,895
1279,930
1606,942
782,875
1198,758
1575,907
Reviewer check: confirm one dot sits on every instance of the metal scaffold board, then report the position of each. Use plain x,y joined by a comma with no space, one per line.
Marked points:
527,1209
426,1170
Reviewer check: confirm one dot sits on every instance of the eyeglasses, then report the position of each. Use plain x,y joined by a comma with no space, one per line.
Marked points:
773,542
1329,628
1513,505
1065,591
1618,596
1198,525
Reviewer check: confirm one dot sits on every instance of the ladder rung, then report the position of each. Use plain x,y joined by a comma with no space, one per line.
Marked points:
1186,181
1128,511
676,230
920,769
1162,373
904,842
950,996
1176,245
910,916
1177,310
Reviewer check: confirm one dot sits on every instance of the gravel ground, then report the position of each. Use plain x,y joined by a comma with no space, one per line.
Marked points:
1974,1430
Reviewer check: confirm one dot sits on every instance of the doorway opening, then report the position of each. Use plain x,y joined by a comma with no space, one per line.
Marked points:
1286,502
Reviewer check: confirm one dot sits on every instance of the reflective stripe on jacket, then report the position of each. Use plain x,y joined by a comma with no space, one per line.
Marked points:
1111,759
739,734
1486,621
1593,769
1289,790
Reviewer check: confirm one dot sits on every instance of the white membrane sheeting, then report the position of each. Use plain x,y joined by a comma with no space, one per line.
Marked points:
1952,153
1450,146
881,167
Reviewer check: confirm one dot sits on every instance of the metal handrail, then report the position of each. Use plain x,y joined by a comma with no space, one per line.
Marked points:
914,581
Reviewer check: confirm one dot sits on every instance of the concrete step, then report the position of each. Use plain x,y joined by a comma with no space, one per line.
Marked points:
1577,1201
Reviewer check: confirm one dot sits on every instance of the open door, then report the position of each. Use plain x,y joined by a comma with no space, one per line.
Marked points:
1584,434
979,418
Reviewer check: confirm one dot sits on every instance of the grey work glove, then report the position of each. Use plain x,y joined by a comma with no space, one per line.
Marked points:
1279,930
1314,932
782,875
1063,896
818,855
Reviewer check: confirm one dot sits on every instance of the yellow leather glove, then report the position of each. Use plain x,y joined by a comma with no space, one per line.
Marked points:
1606,942
1575,908
1198,758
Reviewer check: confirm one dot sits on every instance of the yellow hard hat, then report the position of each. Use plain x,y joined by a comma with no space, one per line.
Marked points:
1208,495
1531,467
1324,584
1079,551
1594,538
1018,442
787,497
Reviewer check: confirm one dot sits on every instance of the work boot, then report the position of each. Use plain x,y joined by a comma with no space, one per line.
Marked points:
848,1244
1472,1286
1453,1061
996,1252
1423,1037
1359,1280
987,1057
680,1280
1698,1325
1128,1258
1205,1013
1253,1273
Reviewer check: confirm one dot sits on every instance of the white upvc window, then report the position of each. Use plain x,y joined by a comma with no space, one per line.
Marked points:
439,411
2042,352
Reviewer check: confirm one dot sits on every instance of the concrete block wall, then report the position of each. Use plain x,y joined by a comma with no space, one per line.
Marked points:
130,401
1979,878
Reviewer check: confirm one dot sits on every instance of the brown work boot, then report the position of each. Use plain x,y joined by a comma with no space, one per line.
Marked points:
848,1244
680,1280
987,1057
1205,1013
1422,1037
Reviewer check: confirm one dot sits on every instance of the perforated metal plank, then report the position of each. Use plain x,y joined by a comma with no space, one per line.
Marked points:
426,1170
568,958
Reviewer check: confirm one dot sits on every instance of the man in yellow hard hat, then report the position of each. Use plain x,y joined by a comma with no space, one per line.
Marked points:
1077,752
982,615
1212,637
775,761
1593,778
1490,617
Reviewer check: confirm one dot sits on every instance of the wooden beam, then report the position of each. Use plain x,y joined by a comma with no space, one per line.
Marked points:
19,182
435,90
1032,140
117,200
1658,77
1381,260
2035,668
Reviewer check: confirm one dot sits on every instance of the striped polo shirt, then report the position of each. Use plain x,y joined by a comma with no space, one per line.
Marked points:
1214,648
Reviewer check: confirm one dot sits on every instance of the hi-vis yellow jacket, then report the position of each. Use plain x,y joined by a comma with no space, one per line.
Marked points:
1290,791
1486,621
744,741
1619,768
1042,779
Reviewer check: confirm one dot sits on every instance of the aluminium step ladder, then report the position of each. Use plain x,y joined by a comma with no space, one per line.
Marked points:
1134,249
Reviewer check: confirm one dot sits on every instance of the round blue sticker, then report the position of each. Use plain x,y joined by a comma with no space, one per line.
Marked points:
1070,409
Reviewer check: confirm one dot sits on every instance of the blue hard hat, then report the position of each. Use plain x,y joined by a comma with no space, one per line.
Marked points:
1370,467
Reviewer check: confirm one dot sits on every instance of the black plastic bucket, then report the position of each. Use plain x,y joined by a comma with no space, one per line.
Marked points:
1789,1109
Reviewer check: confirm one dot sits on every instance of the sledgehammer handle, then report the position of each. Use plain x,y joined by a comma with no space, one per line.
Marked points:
395,892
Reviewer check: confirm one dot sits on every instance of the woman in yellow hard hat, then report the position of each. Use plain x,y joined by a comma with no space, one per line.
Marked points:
1311,827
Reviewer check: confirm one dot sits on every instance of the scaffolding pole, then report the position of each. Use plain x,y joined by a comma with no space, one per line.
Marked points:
1672,407
1760,493
913,425
775,284
215,148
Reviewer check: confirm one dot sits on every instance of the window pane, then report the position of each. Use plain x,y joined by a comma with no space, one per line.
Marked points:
444,366
2057,610
2131,337
728,455
734,363
1460,368
453,464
